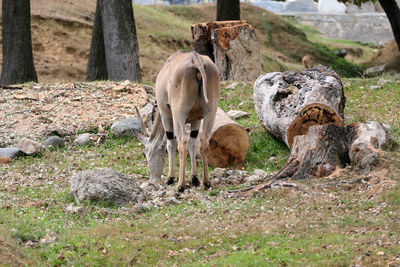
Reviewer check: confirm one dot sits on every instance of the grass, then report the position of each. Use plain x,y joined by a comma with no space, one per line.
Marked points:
314,227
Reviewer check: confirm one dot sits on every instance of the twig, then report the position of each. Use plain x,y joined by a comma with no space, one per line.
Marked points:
59,94
10,87
134,256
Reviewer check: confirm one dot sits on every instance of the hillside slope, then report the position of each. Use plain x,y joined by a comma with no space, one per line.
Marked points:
61,34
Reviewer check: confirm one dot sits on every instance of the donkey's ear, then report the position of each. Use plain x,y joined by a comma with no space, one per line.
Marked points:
143,129
141,137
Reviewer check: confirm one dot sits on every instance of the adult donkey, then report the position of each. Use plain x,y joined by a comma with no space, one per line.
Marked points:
187,91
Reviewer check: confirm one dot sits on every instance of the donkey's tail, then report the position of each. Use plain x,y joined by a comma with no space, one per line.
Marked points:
198,62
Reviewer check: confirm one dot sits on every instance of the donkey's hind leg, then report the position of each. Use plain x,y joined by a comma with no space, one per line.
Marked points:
192,147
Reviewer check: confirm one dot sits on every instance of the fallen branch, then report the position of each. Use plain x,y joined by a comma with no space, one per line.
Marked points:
134,256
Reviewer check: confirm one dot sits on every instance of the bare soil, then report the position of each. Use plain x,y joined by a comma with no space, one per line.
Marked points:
388,54
40,110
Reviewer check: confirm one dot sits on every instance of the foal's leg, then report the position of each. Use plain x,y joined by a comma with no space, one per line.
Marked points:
192,147
171,147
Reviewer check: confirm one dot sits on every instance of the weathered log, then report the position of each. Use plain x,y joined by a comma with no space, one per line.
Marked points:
232,45
229,143
289,103
318,153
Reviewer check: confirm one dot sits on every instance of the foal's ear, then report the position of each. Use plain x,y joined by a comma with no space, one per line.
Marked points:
143,128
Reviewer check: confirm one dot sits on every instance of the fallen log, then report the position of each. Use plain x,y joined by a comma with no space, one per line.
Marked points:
232,45
306,111
229,143
289,103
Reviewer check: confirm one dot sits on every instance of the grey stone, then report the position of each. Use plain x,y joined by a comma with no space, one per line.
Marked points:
260,172
173,201
237,114
148,186
30,147
82,139
125,127
237,173
54,141
299,6
372,28
219,173
375,87
74,209
10,152
375,71
142,207
253,179
368,7
382,82
105,185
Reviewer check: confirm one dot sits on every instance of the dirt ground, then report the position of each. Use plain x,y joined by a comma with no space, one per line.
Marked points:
388,54
40,110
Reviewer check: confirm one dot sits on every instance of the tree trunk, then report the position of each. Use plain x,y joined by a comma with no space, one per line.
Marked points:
114,52
232,45
97,69
289,103
18,66
393,13
120,41
228,10
229,143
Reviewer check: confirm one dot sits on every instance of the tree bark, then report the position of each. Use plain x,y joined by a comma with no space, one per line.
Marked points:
18,66
114,52
229,143
232,45
393,13
289,103
228,10
120,40
97,69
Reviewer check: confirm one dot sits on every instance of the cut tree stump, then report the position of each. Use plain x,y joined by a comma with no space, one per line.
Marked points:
232,45
288,103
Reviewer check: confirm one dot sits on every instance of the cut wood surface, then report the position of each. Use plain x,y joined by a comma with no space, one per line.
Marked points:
289,103
232,45
229,143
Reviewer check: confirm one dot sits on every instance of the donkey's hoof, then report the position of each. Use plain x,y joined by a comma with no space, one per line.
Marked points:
181,189
195,181
207,186
170,180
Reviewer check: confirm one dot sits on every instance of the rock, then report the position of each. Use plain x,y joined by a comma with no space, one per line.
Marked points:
375,87
125,127
54,141
260,172
254,179
173,201
5,160
10,152
237,114
142,207
82,139
375,71
148,186
71,209
30,147
382,82
233,85
236,173
299,6
105,185
219,173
